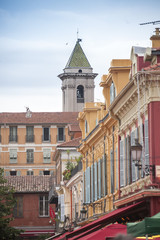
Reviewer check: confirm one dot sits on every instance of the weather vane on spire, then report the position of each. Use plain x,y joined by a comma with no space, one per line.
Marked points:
78,39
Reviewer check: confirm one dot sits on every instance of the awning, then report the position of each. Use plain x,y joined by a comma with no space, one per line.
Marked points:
102,222
108,232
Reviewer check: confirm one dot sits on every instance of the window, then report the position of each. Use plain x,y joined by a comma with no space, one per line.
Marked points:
46,172
30,134
43,206
46,136
13,173
0,134
112,92
18,208
30,173
30,156
13,134
61,134
80,94
13,156
46,156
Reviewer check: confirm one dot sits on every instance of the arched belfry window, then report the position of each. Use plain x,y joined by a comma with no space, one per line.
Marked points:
112,92
80,94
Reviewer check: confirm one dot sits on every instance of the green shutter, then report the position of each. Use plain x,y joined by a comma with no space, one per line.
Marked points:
121,165
95,175
99,178
92,185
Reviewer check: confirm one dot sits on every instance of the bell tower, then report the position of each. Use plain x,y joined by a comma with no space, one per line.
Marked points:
77,81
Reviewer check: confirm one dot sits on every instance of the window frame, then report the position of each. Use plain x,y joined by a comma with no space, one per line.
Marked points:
58,136
18,208
42,203
13,134
44,134
28,152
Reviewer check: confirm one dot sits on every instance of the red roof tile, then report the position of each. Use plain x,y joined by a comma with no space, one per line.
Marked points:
29,183
73,143
39,118
155,67
74,128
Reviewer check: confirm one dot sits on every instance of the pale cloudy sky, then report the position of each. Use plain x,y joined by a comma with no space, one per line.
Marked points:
38,36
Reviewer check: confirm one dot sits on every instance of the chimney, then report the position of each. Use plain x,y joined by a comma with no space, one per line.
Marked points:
156,39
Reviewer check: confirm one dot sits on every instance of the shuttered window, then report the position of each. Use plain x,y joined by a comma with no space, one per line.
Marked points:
132,163
88,185
13,156
99,178
92,183
146,142
46,156
84,187
104,175
121,164
30,155
128,160
111,171
95,175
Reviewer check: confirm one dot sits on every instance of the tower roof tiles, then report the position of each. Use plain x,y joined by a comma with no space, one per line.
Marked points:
78,58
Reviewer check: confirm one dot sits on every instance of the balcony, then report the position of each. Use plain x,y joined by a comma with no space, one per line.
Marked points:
46,138
13,138
76,169
29,138
60,138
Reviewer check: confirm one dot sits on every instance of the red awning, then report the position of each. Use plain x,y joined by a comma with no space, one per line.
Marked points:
102,222
110,231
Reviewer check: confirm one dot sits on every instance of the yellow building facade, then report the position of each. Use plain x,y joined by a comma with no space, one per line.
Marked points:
99,145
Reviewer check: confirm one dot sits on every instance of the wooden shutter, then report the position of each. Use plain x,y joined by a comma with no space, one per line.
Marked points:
132,163
95,175
146,142
121,164
111,171
129,159
84,187
99,178
92,183
104,174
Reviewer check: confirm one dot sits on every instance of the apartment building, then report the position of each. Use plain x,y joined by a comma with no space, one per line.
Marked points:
28,140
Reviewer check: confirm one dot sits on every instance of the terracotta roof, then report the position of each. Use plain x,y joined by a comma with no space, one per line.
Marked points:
74,128
29,183
73,143
155,67
78,58
39,118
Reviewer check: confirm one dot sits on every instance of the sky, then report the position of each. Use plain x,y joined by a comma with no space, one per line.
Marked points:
37,38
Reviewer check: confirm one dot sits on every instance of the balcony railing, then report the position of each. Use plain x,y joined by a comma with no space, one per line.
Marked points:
46,139
29,138
61,138
76,169
13,138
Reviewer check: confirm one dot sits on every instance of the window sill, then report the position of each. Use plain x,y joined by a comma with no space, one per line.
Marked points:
44,216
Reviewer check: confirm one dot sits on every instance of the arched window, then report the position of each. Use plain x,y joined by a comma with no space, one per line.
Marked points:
112,92
80,94
80,70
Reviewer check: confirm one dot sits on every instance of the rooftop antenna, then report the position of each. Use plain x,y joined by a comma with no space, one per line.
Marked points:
154,23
